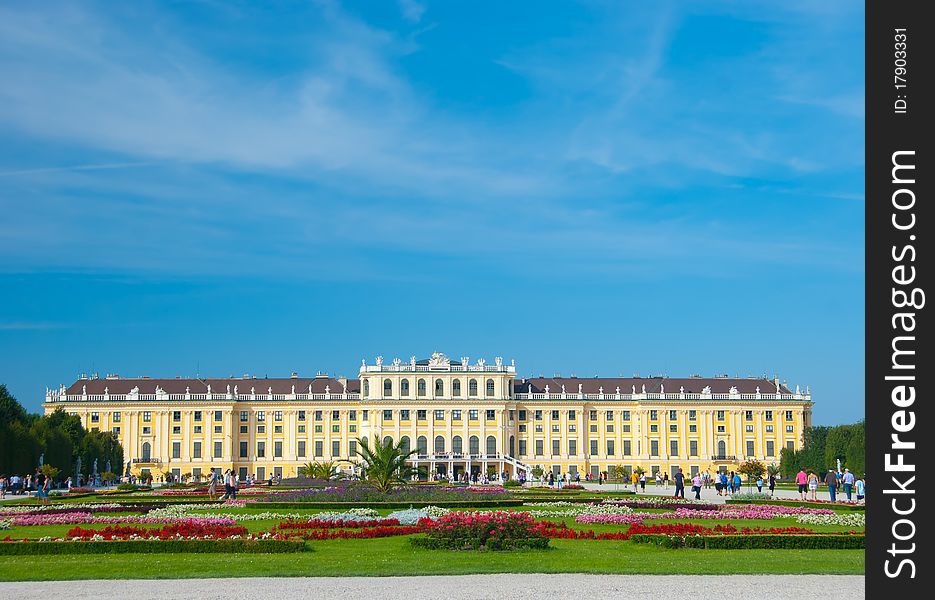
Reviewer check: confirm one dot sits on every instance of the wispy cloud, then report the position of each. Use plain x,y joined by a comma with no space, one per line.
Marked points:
48,170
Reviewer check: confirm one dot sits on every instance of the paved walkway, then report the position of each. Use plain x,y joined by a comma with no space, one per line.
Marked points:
473,587
707,494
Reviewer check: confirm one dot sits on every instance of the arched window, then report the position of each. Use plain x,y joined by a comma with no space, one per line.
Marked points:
147,451
404,444
721,448
512,446
456,445
423,445
387,387
421,387
366,388
439,444
491,444
364,441
388,441
474,445
439,387
456,387
472,387
490,387
404,387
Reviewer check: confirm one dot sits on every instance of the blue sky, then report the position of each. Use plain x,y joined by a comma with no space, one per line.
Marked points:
596,188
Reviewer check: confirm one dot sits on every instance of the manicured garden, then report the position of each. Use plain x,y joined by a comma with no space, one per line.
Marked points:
354,529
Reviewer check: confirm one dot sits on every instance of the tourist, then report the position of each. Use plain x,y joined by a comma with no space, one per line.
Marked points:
643,482
213,485
813,485
697,482
3,484
861,487
772,485
759,484
723,478
634,479
551,478
847,483
665,481
802,480
679,484
831,480
44,489
717,486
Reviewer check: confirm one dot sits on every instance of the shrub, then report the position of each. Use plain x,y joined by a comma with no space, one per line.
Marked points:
512,483
755,542
485,531
153,546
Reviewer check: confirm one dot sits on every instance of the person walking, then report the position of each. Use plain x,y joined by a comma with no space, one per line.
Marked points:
665,480
801,479
643,482
634,479
735,485
213,485
831,480
847,483
772,485
861,487
813,485
697,482
679,484
759,484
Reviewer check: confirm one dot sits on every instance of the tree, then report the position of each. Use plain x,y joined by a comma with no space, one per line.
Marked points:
537,471
10,410
752,468
384,464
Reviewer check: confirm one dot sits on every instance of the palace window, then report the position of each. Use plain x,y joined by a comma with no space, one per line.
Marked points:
147,430
610,428
594,447
692,415
277,429
365,415
335,429
335,415
555,415
522,428
301,429
572,415
693,448
748,415
420,387
387,415
439,415
626,447
490,387
626,429
218,415
692,429
654,448
366,390
769,429
538,415
319,428
472,388
277,416
472,414
556,428
609,415
218,449
176,449
319,448
277,449
176,430
491,415
439,387
176,416
749,428
318,415
610,447
456,415
769,415
572,447
750,448
420,414
522,447
197,416
626,415
539,447
352,448
653,415
244,416
673,447
538,428
387,387
673,428
95,417
522,415
336,448
300,449
404,387
770,448
592,415
788,415
115,430
721,429
720,415
653,428
260,416
556,447
261,428
404,415
352,428
116,417
593,428
456,387
790,428
457,445
352,415
243,449
147,416
301,415
672,415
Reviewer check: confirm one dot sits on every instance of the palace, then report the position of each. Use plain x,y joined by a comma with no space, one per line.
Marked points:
460,417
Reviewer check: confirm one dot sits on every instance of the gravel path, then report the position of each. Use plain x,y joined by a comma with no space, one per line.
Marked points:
473,587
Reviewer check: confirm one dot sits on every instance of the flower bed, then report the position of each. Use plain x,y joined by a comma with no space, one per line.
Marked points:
752,512
87,518
487,531
665,503
239,546
848,519
806,504
358,494
324,529
187,530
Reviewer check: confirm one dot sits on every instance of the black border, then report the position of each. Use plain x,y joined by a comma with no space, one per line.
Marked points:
887,132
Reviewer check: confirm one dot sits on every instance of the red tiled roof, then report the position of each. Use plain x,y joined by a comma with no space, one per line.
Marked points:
671,385
280,385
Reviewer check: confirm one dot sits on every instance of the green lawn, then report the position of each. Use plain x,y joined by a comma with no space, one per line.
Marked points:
395,556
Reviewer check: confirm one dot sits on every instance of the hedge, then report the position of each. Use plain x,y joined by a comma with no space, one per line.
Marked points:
154,546
755,542
412,504
429,543
828,505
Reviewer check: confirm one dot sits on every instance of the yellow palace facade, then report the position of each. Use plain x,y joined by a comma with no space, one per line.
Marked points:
458,416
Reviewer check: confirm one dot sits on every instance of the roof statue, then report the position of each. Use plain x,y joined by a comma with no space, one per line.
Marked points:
105,390
757,389
235,390
327,389
733,390
135,390
363,362
633,389
579,389
253,391
644,388
546,389
618,390
530,387
707,390
229,389
344,384
412,361
209,388
563,388
379,361
439,360
187,390
293,389
397,362
778,391
662,389
600,390
682,389
270,390
84,390
309,388
481,362
798,390
498,360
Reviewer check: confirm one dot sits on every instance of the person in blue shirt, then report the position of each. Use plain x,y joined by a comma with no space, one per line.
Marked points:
847,483
735,486
861,487
723,480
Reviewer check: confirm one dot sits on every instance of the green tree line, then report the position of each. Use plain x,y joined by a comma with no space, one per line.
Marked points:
58,437
823,447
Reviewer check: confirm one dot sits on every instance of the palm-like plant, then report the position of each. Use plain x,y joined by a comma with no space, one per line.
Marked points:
384,464
320,470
